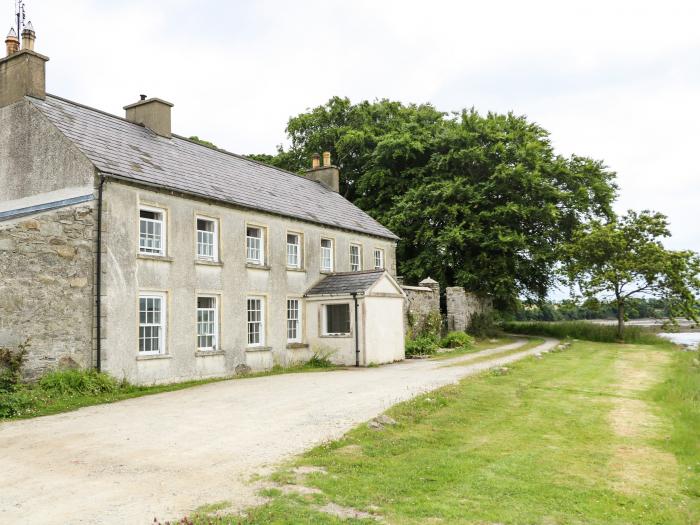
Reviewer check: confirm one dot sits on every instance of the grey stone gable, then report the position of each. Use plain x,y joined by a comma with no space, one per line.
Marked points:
133,152
345,283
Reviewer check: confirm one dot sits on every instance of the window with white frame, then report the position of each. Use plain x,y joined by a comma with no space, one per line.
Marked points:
336,319
326,255
256,321
378,259
293,250
355,258
255,245
207,323
152,231
152,324
207,245
293,321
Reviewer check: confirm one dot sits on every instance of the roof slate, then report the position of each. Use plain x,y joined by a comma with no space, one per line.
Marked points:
124,149
346,283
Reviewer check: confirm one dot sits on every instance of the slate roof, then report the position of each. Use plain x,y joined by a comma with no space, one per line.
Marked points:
346,283
130,151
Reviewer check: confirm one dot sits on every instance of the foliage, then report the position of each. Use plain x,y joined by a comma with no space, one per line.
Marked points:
320,359
77,382
11,363
625,257
483,324
602,333
590,308
478,201
456,340
203,142
422,345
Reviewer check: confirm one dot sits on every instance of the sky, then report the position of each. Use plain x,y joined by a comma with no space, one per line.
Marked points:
612,80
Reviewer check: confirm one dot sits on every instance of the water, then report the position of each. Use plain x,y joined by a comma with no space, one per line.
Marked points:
691,339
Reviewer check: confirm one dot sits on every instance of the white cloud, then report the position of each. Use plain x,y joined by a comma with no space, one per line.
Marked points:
611,80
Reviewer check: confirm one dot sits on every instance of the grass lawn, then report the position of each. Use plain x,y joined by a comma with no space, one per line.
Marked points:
596,434
478,346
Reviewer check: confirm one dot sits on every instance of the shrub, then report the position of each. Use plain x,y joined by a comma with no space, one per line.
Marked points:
483,325
11,364
602,333
423,345
456,340
77,382
21,401
320,359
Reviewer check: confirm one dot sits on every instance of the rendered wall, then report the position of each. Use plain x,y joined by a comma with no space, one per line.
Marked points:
384,333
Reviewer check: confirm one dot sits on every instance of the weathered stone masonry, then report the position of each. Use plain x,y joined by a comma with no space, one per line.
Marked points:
46,286
461,306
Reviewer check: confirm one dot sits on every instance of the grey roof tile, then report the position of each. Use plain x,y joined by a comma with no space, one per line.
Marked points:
345,283
133,152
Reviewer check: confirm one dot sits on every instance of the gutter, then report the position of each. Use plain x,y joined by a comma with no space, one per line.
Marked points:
98,277
357,332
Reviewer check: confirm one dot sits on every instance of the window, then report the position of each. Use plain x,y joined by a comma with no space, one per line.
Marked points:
355,258
152,231
207,323
293,321
256,325
152,324
378,259
326,255
207,239
255,245
293,250
337,319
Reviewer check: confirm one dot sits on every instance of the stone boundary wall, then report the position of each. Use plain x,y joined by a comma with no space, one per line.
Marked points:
420,302
46,287
461,305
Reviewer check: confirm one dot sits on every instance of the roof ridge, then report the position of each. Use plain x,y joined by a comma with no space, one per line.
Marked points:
181,137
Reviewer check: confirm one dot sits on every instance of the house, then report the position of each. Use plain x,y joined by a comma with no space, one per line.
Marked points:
128,248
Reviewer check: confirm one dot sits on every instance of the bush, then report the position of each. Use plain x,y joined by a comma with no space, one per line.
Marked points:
456,340
602,333
77,382
11,364
19,402
423,345
483,325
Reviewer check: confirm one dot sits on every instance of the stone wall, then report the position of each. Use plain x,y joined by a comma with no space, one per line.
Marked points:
420,302
46,286
461,305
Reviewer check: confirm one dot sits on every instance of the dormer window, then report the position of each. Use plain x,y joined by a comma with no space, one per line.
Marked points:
151,231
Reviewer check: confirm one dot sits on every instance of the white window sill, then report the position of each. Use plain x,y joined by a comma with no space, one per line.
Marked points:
337,336
208,353
153,257
150,357
255,266
293,269
208,262
258,349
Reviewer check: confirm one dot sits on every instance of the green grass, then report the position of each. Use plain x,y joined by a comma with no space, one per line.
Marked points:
585,330
534,445
529,345
67,390
478,346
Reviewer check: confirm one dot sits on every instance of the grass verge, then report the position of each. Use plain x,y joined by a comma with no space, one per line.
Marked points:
532,343
587,331
533,445
478,346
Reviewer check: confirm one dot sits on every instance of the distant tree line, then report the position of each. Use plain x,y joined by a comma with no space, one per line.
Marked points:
571,310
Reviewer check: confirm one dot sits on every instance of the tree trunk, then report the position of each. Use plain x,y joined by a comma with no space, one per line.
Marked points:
620,320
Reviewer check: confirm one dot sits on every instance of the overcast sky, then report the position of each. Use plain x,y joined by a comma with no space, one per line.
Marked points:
613,80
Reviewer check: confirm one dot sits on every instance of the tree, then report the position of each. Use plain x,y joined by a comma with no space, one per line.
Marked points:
625,257
478,201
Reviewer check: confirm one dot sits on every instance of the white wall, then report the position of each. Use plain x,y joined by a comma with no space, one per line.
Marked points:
384,333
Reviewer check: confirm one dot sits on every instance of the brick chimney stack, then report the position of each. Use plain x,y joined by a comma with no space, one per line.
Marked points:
328,175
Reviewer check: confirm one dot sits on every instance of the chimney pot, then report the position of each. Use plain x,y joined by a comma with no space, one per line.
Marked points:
315,161
326,159
28,37
153,113
12,42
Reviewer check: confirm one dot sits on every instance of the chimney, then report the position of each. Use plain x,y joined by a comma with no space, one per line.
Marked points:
28,37
328,175
22,72
153,113
12,42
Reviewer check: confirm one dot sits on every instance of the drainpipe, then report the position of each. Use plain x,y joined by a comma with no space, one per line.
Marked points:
357,332
98,277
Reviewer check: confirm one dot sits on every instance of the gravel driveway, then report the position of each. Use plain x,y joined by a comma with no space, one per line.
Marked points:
166,454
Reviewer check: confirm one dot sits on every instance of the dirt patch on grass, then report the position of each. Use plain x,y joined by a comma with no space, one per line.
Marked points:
636,465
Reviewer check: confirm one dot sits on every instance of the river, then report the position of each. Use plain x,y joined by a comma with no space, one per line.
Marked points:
691,339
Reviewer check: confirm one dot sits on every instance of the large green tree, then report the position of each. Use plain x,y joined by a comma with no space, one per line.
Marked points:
625,258
478,201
